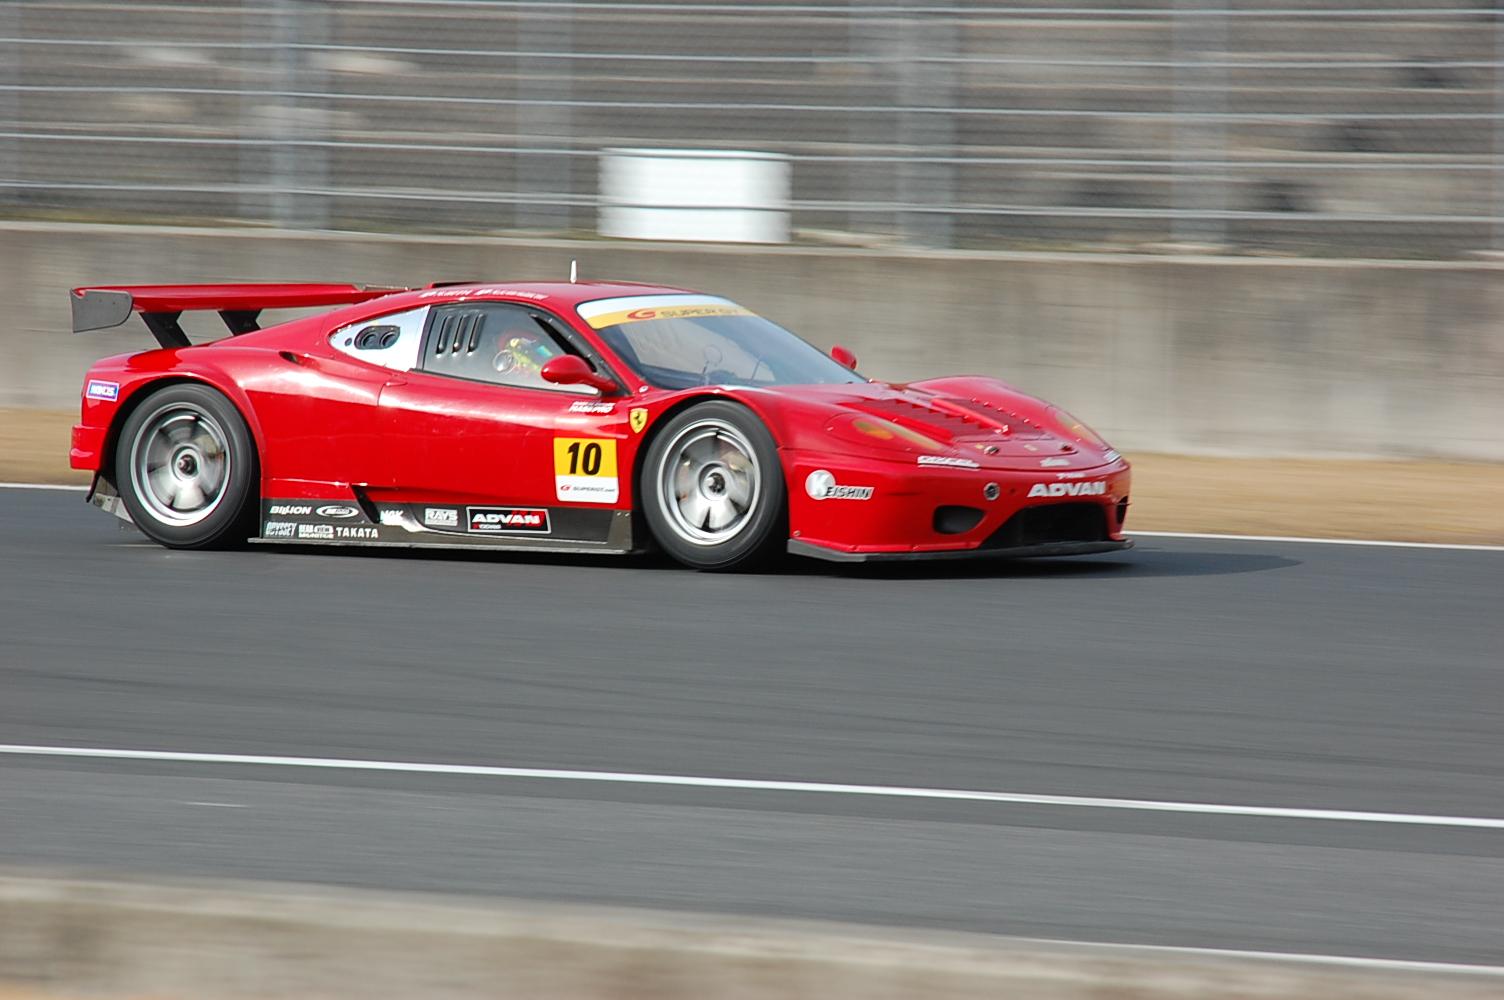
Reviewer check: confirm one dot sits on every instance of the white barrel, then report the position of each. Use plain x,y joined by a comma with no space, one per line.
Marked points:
726,196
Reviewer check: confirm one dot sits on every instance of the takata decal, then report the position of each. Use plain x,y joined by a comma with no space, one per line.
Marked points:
358,531
506,521
1067,489
100,389
822,485
338,510
585,470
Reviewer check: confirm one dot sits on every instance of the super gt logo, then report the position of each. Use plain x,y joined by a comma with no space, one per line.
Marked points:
1067,489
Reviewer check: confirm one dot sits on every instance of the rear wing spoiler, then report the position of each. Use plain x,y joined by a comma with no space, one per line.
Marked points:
238,305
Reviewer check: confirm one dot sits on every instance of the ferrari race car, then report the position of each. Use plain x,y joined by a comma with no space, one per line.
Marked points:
593,416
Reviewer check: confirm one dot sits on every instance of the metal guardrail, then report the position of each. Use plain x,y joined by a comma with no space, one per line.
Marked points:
1301,125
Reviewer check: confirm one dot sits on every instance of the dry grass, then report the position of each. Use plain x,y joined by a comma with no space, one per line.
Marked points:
1402,501
34,446
1406,501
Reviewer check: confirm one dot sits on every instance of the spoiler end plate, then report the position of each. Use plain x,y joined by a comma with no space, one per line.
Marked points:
99,309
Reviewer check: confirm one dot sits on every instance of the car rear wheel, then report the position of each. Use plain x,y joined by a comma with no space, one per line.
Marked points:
185,467
712,488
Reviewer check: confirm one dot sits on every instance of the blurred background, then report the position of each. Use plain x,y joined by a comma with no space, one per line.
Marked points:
1219,229
1305,126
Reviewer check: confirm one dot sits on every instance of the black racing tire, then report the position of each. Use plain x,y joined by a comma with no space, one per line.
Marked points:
712,489
186,469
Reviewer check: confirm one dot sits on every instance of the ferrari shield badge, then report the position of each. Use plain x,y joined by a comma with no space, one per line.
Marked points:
638,418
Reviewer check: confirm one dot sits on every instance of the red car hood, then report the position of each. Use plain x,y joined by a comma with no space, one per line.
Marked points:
1003,429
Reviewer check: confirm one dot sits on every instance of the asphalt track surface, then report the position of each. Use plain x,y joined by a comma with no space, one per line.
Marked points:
1188,670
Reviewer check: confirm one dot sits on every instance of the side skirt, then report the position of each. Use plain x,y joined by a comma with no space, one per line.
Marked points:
501,527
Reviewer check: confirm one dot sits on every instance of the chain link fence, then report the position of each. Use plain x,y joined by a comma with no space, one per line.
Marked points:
1308,126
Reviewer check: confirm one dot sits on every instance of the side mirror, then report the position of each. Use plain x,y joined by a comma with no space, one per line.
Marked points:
843,356
571,369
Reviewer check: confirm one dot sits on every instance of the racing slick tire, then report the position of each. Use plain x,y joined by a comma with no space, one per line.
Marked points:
712,488
185,467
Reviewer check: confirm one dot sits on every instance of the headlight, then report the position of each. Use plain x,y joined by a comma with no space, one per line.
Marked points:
863,429
1078,430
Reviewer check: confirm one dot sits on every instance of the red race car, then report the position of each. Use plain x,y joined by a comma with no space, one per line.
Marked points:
594,417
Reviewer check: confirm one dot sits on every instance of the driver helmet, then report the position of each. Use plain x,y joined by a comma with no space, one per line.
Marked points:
523,351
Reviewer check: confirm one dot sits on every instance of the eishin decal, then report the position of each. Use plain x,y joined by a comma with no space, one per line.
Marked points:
1067,489
821,485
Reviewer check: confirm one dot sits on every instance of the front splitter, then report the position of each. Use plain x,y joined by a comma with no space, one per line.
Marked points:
799,547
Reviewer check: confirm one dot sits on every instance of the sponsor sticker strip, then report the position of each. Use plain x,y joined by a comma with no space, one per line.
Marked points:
666,312
636,308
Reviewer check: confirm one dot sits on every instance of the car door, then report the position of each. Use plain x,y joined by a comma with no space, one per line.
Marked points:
465,425
318,408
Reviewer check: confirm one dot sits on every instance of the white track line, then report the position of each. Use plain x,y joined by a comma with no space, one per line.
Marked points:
761,785
1317,541
1353,961
41,486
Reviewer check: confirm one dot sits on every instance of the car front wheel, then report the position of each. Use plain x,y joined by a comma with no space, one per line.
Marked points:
712,488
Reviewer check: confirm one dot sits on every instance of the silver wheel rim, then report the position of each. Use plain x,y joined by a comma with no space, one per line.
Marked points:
709,483
180,464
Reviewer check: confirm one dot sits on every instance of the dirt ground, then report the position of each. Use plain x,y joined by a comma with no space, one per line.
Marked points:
1403,501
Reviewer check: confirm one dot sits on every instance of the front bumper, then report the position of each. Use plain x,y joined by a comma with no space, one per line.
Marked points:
904,510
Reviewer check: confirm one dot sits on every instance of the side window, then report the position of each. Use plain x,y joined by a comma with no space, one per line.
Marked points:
390,341
491,342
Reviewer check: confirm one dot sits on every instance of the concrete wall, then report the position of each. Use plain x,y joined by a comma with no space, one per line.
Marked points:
1181,354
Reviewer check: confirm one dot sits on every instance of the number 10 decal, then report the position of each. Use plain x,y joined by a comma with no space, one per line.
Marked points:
585,470
591,462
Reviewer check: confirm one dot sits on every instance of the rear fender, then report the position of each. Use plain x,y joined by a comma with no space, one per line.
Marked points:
134,391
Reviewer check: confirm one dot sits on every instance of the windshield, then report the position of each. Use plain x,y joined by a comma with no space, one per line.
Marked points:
678,341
